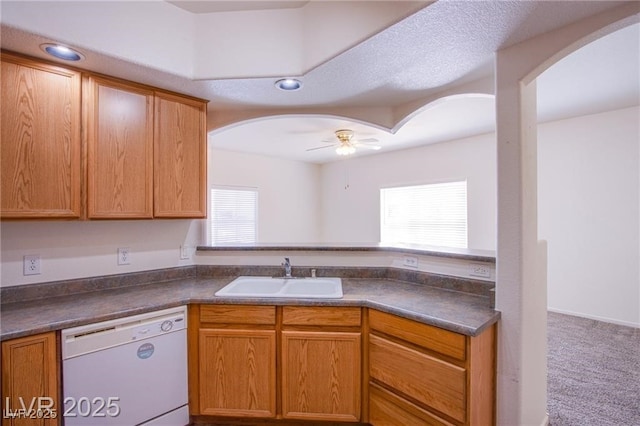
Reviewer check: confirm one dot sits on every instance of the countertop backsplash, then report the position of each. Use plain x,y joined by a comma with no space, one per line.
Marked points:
29,292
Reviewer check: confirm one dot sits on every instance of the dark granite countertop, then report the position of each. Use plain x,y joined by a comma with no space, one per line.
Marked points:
464,313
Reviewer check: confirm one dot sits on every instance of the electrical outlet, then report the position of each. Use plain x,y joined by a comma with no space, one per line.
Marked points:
410,261
124,256
185,252
479,270
31,264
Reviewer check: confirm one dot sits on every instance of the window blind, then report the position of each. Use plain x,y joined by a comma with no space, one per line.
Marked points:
433,214
233,216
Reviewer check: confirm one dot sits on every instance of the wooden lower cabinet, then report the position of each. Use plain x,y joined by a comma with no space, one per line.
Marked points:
427,379
30,378
237,372
275,363
237,361
449,380
388,409
321,363
306,364
321,375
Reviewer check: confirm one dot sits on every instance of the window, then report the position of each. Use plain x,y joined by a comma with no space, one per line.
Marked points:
233,216
434,214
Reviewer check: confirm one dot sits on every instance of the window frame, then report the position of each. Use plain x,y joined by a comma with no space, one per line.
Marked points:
463,239
210,220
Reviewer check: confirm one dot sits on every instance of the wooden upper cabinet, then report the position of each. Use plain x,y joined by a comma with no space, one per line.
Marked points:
180,156
102,149
41,142
119,132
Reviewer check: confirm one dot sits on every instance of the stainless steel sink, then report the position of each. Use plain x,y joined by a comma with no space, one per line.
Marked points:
322,288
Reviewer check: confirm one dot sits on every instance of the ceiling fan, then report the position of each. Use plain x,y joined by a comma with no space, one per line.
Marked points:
346,145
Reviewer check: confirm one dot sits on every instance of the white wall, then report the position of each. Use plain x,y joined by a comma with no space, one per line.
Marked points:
588,201
78,249
351,188
288,193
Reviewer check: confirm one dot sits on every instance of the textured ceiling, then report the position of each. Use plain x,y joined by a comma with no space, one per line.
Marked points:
443,45
441,48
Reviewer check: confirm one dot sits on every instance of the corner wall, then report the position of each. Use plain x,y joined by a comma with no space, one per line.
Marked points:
588,200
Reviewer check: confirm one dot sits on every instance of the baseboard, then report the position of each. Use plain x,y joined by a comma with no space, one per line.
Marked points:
545,421
595,317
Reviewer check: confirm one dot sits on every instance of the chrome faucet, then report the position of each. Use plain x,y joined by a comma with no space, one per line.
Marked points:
287,268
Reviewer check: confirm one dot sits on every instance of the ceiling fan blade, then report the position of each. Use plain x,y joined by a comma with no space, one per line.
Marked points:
367,140
373,147
319,147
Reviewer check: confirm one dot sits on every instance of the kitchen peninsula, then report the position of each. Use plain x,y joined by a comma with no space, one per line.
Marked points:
390,321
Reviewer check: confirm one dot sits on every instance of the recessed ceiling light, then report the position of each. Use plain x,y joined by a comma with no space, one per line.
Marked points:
288,84
62,52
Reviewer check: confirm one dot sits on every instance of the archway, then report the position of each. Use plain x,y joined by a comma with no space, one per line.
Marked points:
520,291
588,191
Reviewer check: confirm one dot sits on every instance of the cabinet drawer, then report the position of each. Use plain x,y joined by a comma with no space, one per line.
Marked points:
427,336
238,314
436,383
314,315
387,409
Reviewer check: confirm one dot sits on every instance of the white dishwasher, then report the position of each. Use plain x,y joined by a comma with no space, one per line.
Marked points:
126,372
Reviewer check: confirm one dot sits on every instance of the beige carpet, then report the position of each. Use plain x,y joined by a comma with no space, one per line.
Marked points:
593,372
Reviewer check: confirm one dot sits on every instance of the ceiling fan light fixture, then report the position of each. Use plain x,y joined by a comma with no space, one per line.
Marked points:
345,149
289,84
62,52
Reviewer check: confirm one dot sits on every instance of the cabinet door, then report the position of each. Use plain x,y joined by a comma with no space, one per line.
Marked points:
119,150
40,146
30,379
237,372
321,375
180,157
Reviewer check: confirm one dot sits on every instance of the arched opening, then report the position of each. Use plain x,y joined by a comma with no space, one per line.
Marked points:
521,275
588,189
309,194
